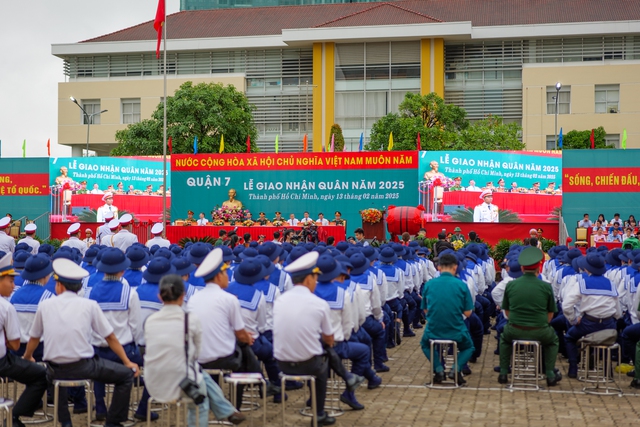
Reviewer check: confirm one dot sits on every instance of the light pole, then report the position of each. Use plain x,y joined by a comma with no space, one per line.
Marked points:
558,87
88,117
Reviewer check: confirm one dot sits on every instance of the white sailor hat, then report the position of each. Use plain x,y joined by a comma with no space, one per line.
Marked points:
73,228
211,265
157,228
67,271
114,224
108,216
485,193
6,266
5,222
30,228
304,265
107,195
126,220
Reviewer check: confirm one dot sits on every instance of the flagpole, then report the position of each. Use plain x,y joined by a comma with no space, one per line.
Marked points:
164,129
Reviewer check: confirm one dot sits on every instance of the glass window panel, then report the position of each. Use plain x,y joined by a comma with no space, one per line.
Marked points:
374,73
405,72
377,53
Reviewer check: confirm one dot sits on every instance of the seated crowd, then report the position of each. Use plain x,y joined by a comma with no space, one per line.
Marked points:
615,230
119,189
502,188
245,218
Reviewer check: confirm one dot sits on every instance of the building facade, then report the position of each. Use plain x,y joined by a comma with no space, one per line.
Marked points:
308,67
224,4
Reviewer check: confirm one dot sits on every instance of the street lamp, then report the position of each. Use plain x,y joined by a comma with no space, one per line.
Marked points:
88,117
558,87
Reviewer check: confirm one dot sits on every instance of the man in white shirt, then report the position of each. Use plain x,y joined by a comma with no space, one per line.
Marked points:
305,219
74,242
585,222
300,321
157,239
107,207
322,220
96,189
125,238
7,243
202,220
472,186
486,212
615,236
104,228
30,231
292,220
112,229
616,218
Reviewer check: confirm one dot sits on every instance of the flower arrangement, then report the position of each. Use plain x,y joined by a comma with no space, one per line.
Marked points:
70,185
523,190
248,223
443,182
277,223
457,244
371,215
229,214
218,222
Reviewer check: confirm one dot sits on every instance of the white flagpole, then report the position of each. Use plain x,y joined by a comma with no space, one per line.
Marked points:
164,128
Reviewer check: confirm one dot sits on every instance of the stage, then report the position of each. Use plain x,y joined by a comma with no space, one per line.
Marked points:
492,233
521,203
175,233
144,207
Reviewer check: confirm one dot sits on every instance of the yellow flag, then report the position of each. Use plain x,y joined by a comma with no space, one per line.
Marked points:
390,142
222,144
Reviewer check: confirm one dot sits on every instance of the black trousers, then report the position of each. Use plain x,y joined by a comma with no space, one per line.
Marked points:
96,369
316,366
30,374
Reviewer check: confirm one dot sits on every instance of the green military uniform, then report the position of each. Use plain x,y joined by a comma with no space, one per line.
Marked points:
445,298
457,237
528,301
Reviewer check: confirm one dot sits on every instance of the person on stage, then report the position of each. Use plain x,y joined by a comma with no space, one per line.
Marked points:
107,207
486,212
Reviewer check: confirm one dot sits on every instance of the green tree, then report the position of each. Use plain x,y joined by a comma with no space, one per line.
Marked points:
338,142
205,110
581,139
441,127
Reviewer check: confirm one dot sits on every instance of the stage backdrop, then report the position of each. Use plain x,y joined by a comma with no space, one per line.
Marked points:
105,171
294,183
523,167
600,182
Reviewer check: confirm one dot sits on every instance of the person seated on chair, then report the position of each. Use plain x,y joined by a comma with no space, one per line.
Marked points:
585,222
529,304
616,219
614,236
446,301
599,236
590,304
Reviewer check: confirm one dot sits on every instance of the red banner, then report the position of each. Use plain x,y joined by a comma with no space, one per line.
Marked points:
296,161
601,180
24,184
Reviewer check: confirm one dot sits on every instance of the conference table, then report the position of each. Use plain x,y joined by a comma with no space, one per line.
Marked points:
144,207
177,232
532,204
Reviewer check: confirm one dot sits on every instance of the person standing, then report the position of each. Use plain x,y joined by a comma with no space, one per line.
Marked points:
107,207
7,243
157,239
125,238
107,238
446,302
486,212
89,240
30,231
104,228
529,304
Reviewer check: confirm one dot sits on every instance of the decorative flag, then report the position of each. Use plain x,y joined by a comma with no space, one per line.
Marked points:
418,146
593,141
305,143
49,147
560,139
333,142
24,148
170,144
390,142
277,143
195,144
158,24
361,145
221,144
248,143
624,139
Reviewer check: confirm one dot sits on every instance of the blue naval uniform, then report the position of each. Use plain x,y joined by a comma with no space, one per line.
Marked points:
371,325
25,300
630,336
197,282
133,277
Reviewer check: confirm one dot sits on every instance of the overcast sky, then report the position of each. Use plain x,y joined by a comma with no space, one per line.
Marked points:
29,74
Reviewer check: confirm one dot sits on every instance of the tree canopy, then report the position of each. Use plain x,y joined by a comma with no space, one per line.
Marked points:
441,127
206,111
581,139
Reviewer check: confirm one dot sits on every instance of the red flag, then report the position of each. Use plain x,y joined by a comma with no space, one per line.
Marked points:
49,147
158,24
593,141
248,143
418,144
170,144
305,144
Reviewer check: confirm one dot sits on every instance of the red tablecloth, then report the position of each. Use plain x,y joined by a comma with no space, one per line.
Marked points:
59,230
610,245
538,204
144,207
175,233
492,233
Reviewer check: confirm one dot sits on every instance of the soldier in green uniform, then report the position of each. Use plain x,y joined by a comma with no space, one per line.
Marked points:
458,236
529,305
445,300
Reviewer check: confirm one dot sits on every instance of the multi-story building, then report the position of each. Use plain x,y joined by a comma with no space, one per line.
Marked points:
225,4
307,67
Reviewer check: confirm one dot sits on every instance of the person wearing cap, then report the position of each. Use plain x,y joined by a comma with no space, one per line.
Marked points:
157,239
280,278
189,220
529,304
184,269
125,238
65,324
590,304
33,376
104,228
157,268
139,258
121,307
7,243
457,236
74,241
278,217
535,188
486,211
225,341
108,237
108,206
30,231
89,240
300,321
446,301
395,288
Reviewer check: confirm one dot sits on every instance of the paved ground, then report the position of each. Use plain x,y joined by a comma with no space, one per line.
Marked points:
403,400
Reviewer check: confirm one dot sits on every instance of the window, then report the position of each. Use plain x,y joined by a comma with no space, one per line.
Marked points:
612,139
607,98
551,142
564,100
91,106
130,111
